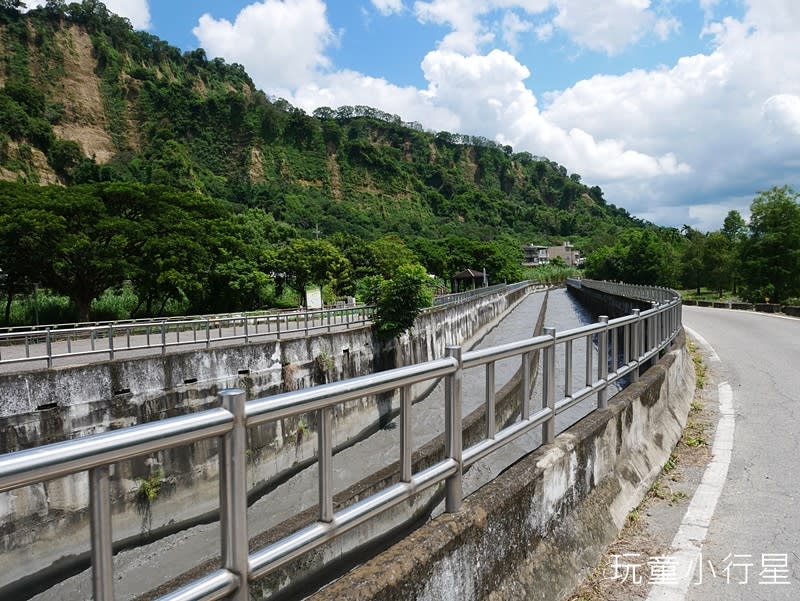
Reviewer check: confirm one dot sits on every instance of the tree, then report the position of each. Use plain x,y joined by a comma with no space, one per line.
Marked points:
718,261
401,299
302,262
28,235
771,254
638,257
734,228
95,251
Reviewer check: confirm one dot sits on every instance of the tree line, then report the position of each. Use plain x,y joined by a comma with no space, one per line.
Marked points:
182,249
757,261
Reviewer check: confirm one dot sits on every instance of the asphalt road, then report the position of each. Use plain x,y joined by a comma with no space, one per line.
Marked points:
751,549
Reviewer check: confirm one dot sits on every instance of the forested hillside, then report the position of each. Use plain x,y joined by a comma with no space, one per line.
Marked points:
85,102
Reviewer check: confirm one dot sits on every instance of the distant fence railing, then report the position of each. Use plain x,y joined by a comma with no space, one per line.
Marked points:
623,345
647,293
45,345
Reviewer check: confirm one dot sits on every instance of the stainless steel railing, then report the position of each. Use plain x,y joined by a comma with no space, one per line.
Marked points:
114,338
622,344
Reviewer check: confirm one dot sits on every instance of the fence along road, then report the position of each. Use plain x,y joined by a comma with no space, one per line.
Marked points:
66,344
635,339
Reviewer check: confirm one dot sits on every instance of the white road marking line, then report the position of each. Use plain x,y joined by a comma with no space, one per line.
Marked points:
688,541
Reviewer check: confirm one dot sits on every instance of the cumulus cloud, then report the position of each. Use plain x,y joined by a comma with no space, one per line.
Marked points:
733,115
282,43
612,25
609,26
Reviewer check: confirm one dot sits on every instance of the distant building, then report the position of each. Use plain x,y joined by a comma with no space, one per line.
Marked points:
541,255
534,255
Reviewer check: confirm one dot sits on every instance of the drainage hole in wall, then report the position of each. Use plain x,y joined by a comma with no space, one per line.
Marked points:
244,372
190,381
122,391
47,406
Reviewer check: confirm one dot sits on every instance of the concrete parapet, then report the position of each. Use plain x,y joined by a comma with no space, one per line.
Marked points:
536,530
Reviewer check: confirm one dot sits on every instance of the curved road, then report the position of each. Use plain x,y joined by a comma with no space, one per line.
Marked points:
751,549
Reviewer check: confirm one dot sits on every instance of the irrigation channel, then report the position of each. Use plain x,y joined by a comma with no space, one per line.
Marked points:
145,568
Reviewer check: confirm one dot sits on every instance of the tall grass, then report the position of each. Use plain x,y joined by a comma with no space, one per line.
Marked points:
551,274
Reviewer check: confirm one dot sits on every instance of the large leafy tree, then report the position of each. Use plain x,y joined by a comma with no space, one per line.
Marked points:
95,252
29,232
639,256
401,298
771,254
302,262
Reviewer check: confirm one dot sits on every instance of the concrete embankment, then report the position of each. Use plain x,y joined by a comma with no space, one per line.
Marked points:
535,531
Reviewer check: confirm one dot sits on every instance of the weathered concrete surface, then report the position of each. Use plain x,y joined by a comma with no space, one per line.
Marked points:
535,531
49,521
605,303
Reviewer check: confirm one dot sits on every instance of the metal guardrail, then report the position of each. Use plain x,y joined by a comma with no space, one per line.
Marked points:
51,343
457,297
627,342
46,344
647,293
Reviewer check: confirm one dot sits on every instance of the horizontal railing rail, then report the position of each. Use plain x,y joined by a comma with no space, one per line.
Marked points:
622,346
49,344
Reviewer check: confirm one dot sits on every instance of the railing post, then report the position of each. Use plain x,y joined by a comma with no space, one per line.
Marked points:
654,326
163,337
549,387
233,492
325,466
526,385
100,528
48,347
635,341
208,332
405,434
110,341
602,364
491,398
452,420
246,330
568,368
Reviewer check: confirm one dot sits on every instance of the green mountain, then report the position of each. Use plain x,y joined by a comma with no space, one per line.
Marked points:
105,130
85,98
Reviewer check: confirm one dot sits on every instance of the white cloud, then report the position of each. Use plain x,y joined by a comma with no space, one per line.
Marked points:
282,43
733,115
782,112
513,26
136,11
387,7
609,26
612,25
544,32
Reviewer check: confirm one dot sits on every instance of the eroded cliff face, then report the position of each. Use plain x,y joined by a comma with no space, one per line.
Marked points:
84,119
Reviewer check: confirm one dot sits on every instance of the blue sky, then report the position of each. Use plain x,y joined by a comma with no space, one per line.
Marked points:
679,109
